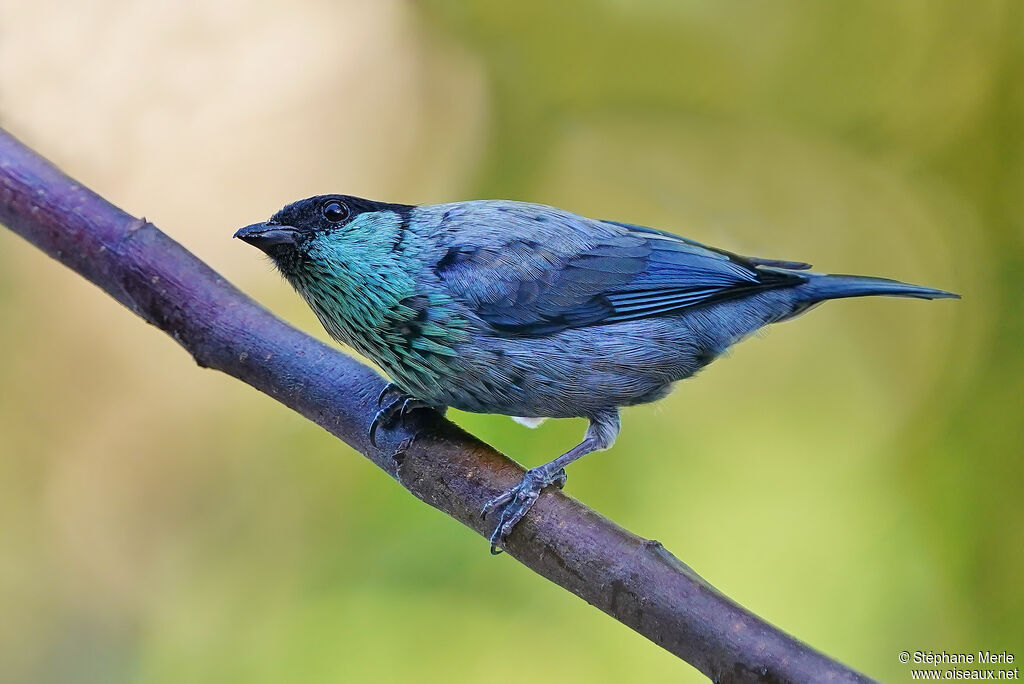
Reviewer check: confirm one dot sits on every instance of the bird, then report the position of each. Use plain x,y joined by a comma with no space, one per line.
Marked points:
527,310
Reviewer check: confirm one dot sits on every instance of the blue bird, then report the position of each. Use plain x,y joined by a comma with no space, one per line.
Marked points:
531,311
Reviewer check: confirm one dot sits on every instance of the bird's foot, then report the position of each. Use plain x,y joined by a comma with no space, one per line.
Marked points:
517,501
397,409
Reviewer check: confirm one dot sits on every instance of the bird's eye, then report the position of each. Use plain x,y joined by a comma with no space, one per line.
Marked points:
334,211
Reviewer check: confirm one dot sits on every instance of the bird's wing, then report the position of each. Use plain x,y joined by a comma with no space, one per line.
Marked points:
532,270
755,261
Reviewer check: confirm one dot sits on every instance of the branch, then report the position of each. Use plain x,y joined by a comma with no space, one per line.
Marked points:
636,581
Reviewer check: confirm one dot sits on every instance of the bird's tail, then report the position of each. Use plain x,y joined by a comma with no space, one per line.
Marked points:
820,287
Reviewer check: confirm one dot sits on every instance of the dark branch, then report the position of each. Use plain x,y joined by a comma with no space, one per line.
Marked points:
634,580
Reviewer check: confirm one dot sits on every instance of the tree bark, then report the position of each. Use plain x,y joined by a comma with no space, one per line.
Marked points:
635,580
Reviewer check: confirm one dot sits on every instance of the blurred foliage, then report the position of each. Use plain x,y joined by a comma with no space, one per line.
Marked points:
853,476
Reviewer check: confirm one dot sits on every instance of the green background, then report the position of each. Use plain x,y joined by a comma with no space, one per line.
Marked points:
854,476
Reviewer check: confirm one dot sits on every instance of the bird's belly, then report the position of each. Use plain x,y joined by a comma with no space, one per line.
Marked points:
581,372
576,372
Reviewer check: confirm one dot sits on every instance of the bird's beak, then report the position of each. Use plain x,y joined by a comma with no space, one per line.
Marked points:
267,235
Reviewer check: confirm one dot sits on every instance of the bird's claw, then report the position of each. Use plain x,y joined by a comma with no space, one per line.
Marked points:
517,501
388,389
560,478
398,409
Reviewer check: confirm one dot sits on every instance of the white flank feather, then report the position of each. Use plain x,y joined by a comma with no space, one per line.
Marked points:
529,422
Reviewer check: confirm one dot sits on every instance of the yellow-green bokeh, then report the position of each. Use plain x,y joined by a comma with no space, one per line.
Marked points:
854,476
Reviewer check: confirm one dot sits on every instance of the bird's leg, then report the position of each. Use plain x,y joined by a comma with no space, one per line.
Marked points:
397,409
516,502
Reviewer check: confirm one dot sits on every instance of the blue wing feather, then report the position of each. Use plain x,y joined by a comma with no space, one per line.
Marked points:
527,269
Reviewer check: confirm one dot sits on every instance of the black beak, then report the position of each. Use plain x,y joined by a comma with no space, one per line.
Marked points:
267,235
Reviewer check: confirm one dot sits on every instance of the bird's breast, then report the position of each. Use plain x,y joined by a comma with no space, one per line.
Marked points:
412,335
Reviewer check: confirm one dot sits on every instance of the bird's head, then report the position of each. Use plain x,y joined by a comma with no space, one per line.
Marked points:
327,228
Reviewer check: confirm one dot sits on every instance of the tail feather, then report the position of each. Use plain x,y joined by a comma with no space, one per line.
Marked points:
820,287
